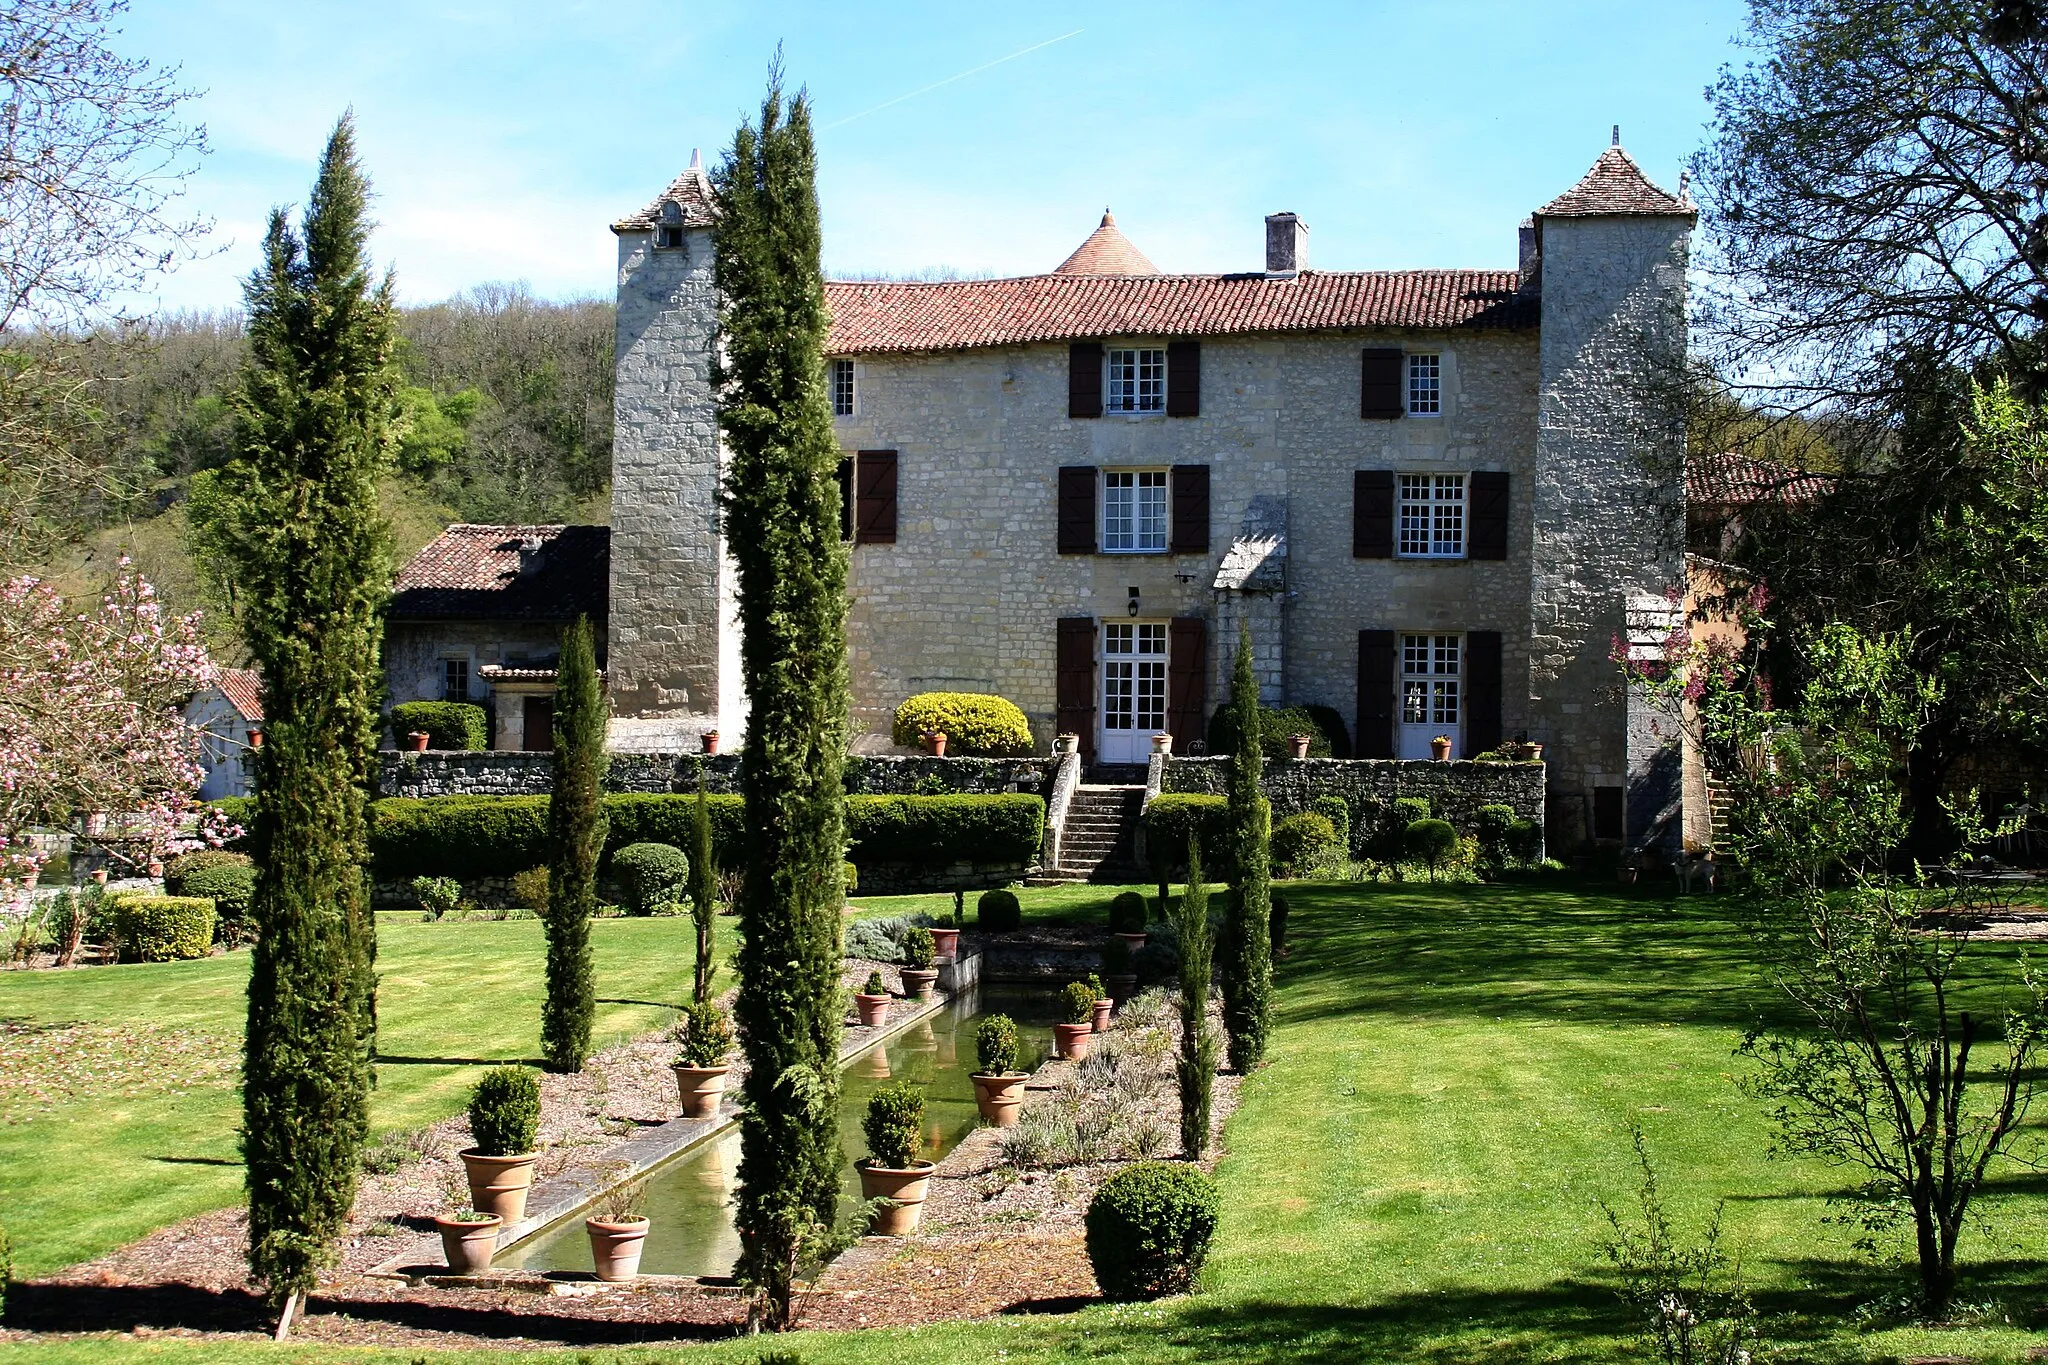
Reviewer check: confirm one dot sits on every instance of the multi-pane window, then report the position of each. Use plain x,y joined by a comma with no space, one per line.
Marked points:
1429,679
1432,516
454,680
1133,510
1137,381
1134,676
842,388
1425,385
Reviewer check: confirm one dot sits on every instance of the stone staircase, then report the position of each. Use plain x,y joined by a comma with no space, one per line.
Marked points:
1101,836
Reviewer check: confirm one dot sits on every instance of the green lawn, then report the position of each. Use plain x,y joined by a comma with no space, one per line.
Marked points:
1414,1175
1044,905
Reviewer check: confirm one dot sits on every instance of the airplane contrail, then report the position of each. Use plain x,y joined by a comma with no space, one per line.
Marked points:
1020,52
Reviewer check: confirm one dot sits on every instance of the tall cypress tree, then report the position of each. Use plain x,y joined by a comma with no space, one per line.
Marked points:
576,828
703,890
781,502
1196,1067
1248,978
313,569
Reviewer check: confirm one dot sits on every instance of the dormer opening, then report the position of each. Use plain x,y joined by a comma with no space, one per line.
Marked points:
669,234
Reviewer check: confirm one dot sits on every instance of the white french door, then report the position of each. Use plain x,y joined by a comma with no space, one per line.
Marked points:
1133,689
1431,700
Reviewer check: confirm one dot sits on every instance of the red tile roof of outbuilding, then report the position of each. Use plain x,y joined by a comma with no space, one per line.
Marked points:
243,687
472,571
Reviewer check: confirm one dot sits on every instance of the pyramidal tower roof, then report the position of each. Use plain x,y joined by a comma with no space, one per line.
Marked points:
1107,252
1615,185
690,192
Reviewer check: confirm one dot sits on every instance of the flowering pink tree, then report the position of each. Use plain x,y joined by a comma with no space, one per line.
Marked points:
90,721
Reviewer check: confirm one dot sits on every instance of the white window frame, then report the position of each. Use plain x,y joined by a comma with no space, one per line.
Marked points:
1425,384
1430,516
844,393
1430,699
1133,688
1137,523
1134,380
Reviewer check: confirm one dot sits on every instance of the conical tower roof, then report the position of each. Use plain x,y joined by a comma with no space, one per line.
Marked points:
1615,185
1107,252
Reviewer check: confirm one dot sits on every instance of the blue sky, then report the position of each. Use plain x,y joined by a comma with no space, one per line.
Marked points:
503,137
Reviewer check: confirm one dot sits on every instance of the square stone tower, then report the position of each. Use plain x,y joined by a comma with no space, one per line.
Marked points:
1609,257
670,587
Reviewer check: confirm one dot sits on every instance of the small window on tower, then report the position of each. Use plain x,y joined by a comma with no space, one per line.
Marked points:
842,388
670,235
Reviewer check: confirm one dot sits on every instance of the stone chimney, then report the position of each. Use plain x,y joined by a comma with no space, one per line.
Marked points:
1531,262
1286,245
533,555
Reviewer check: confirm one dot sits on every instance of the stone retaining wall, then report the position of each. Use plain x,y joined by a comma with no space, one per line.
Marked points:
495,772
1455,791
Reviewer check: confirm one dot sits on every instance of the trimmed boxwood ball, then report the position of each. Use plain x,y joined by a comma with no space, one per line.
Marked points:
504,1111
1149,1228
230,886
1301,842
1127,913
975,724
446,724
1338,812
920,950
893,1124
651,874
185,864
995,1045
997,912
164,928
1430,841
1525,841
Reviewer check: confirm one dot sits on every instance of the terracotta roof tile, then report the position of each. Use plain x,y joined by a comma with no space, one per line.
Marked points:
959,314
243,687
1106,252
691,192
1615,185
1733,480
472,572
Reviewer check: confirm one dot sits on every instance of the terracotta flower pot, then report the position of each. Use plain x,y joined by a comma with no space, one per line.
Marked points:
156,871
999,1098
498,1184
1162,743
1071,1040
947,943
1440,750
468,1247
918,981
710,741
416,741
1066,744
1136,941
701,1088
905,1188
1297,745
255,739
99,876
1528,751
615,1247
1101,1021
874,1009
1122,985
935,743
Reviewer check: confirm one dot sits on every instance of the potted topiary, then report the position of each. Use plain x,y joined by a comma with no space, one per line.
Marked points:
1440,748
891,1171
618,1231
703,1037
919,952
1119,968
998,1085
469,1239
504,1121
1127,914
1077,1021
873,1002
946,937
1103,1004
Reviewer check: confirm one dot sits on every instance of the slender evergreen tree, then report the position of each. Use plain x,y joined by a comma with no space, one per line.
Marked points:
1196,1067
703,890
576,828
782,525
312,566
1248,962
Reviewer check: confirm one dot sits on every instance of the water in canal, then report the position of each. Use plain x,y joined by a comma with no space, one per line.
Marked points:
689,1200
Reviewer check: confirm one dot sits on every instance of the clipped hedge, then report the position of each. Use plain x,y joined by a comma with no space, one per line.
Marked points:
163,928
447,724
231,887
976,724
1325,728
495,836
1173,816
1149,1228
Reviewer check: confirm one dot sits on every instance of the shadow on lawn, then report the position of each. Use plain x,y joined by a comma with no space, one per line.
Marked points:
388,1059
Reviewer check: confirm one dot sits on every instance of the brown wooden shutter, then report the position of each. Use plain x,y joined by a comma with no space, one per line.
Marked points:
1379,383
1482,691
846,498
1190,509
1077,509
1183,379
1074,681
1486,535
1187,674
874,498
1084,379
1372,514
1375,694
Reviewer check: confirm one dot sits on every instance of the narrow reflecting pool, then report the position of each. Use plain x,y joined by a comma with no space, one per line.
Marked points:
689,1200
